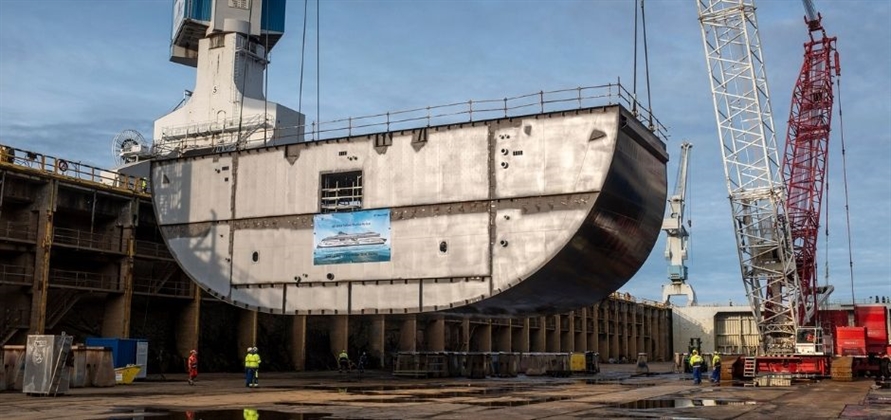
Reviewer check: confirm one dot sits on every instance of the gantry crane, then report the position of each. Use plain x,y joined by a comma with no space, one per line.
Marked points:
751,168
677,235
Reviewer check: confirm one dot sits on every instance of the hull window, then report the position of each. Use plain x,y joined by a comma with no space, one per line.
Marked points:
341,192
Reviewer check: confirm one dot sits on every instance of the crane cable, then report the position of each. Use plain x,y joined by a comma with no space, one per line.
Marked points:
688,209
634,72
643,22
302,60
244,67
318,67
266,81
841,124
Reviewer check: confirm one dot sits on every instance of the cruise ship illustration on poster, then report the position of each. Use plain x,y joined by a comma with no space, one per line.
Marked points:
354,237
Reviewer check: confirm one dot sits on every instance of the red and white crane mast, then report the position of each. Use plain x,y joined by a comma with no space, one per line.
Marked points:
776,215
805,160
751,168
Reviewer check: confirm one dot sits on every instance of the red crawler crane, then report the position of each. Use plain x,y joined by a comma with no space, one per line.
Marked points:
770,234
805,160
864,346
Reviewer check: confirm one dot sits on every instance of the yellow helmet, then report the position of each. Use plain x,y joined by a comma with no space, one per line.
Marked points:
695,351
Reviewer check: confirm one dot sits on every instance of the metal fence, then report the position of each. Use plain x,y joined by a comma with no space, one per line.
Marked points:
17,230
73,170
453,113
147,285
15,274
152,249
84,239
84,280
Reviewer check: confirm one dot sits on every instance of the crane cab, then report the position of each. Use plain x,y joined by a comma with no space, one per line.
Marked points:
810,340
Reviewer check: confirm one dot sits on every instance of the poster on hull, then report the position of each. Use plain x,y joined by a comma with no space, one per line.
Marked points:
354,237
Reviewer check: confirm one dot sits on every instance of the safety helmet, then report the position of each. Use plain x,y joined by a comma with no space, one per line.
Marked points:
249,349
193,351
695,351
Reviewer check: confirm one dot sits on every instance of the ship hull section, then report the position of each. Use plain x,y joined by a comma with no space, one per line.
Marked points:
537,214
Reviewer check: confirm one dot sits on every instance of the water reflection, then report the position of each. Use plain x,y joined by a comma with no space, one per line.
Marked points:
243,414
680,403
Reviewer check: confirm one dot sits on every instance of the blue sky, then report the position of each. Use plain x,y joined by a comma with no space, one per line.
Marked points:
75,73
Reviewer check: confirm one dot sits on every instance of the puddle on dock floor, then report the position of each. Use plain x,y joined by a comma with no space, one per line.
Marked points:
247,413
680,403
628,382
453,391
514,402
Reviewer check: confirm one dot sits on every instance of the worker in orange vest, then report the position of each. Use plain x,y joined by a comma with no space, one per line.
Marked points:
193,366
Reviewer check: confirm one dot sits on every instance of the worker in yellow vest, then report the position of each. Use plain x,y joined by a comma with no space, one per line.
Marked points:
251,367
343,361
716,368
696,364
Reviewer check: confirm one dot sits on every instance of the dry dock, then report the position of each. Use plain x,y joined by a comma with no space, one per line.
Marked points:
616,392
80,252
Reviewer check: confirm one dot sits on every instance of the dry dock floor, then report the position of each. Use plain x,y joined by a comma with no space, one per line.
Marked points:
615,393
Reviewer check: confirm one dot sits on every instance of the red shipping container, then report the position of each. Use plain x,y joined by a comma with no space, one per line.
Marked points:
850,341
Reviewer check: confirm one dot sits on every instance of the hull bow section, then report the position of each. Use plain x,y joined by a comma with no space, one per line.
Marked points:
533,214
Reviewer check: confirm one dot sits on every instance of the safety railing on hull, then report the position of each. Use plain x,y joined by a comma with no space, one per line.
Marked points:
453,113
74,170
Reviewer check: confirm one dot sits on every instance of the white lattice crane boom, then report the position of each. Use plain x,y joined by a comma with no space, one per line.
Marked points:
751,167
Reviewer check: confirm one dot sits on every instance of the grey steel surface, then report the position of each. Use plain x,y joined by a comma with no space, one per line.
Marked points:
610,246
540,213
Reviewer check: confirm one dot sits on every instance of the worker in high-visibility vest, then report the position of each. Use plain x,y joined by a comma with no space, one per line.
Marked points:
251,366
716,368
192,364
696,364
343,361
